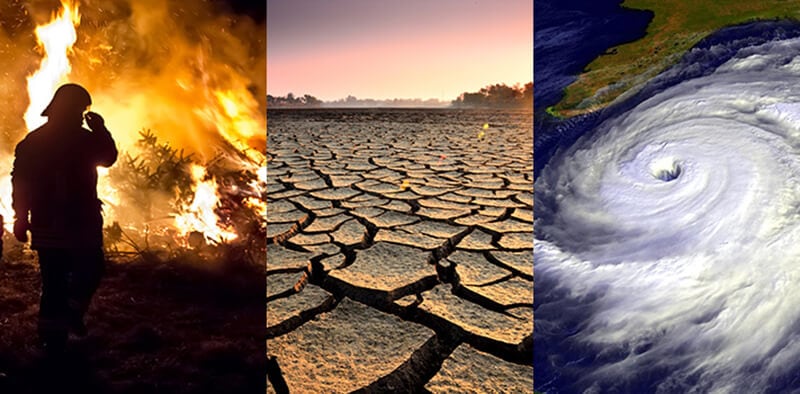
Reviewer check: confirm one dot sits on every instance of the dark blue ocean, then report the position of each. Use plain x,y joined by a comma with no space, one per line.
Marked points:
568,35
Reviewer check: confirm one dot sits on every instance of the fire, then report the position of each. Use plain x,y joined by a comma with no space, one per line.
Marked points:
56,39
106,192
200,216
5,197
186,94
262,174
257,203
233,115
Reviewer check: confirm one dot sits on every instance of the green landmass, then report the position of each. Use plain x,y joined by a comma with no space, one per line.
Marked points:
676,27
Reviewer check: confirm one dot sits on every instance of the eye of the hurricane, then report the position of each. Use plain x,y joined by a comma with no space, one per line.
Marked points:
666,170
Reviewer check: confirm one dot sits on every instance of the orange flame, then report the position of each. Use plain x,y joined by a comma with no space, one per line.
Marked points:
200,216
257,204
56,38
233,115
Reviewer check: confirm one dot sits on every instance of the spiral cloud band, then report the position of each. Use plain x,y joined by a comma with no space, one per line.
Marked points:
667,251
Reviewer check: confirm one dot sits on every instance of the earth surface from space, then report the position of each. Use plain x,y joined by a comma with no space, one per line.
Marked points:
666,179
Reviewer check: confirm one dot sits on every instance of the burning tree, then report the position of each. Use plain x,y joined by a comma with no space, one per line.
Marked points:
156,182
180,203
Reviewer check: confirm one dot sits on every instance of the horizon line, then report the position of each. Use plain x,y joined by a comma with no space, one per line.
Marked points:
409,107
521,84
359,98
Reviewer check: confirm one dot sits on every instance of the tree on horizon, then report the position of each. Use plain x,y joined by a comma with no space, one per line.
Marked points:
290,100
491,96
497,96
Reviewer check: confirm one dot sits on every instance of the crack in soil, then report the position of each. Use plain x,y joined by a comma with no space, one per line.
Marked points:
403,159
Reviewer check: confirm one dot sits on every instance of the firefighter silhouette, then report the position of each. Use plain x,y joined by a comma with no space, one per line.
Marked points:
54,196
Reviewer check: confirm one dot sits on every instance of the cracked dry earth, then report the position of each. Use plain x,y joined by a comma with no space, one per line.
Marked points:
399,253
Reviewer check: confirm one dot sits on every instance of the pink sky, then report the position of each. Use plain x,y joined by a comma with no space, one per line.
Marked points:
385,49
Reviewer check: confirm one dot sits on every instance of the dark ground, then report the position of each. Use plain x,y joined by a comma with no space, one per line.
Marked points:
183,326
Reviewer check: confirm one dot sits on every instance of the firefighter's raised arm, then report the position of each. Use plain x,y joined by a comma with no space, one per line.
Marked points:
106,149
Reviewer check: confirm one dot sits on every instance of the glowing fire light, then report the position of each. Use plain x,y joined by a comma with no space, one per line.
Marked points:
257,204
233,117
262,174
200,216
56,38
227,108
5,199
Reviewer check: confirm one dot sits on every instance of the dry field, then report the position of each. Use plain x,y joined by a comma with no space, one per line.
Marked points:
399,254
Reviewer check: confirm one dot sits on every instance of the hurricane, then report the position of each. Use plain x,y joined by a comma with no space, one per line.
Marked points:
667,238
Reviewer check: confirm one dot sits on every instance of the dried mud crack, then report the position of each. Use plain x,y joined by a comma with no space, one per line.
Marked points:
400,254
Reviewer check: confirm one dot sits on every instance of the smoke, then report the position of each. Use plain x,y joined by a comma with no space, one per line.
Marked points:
667,240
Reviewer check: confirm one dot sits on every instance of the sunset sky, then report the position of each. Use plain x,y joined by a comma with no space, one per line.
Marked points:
385,49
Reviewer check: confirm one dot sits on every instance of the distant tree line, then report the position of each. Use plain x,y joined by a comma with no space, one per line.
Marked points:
290,101
492,96
352,101
497,96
